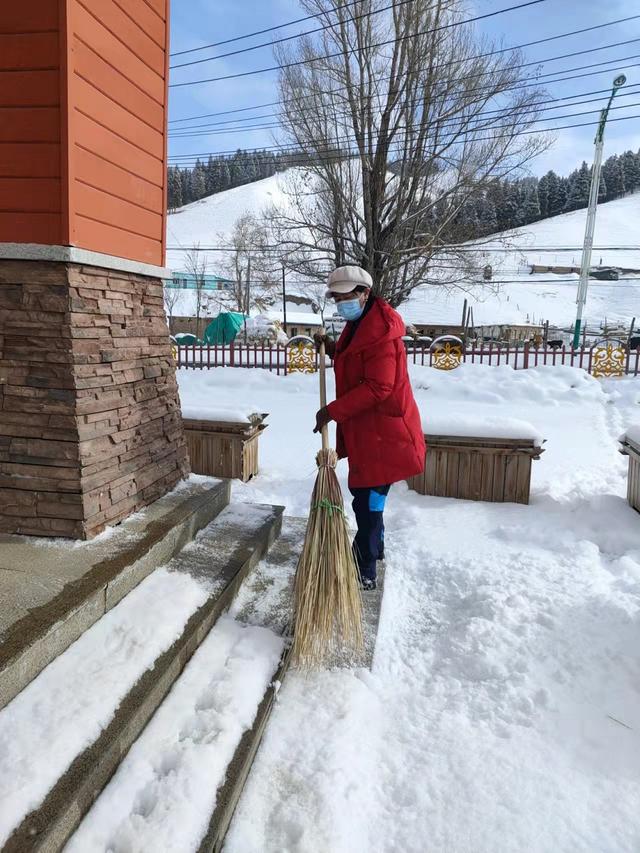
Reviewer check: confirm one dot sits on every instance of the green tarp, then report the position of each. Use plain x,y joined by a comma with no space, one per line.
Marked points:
224,328
185,339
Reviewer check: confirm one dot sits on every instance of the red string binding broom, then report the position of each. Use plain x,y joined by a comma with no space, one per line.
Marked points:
327,602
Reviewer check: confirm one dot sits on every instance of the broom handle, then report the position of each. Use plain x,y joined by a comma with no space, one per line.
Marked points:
323,395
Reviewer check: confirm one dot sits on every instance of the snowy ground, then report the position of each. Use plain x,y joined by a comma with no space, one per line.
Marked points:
502,713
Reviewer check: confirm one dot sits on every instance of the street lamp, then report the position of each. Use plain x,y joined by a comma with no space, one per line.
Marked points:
587,246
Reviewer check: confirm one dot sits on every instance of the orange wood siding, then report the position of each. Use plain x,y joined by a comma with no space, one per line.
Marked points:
118,93
83,109
30,120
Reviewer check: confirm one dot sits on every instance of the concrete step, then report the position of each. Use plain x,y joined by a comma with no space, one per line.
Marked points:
112,679
52,591
185,773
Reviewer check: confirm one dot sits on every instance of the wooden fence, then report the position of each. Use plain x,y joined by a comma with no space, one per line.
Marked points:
599,360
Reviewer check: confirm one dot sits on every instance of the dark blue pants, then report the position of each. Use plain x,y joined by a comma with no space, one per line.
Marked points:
368,546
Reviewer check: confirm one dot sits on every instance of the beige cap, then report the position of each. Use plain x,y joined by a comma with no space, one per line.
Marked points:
345,279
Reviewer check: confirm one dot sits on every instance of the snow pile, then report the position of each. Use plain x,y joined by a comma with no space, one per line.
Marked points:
501,385
487,427
632,434
264,329
204,411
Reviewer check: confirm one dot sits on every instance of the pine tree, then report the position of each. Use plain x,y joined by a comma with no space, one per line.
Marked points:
616,183
198,181
631,169
579,186
174,188
486,214
543,195
211,176
602,189
495,194
530,204
225,175
614,177
265,168
185,180
557,194
468,220
510,205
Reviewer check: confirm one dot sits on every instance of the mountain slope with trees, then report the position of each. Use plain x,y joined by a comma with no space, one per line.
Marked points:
503,205
513,203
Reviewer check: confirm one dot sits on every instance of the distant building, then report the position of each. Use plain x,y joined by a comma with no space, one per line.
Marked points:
188,281
511,333
298,322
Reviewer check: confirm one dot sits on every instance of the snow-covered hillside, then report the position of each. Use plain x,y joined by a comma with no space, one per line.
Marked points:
209,221
515,296
519,297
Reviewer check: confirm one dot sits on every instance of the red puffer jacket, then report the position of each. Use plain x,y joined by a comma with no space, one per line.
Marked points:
379,426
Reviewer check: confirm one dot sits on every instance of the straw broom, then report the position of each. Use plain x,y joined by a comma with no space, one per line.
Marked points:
327,602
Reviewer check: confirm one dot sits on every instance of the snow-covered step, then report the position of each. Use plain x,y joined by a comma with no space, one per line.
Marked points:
52,591
164,792
64,735
178,786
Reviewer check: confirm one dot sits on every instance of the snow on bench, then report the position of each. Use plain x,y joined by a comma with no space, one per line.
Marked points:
472,458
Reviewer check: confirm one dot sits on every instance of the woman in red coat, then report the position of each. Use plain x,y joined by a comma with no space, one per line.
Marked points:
379,428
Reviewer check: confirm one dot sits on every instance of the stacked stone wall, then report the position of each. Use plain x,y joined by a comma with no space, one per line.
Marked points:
90,424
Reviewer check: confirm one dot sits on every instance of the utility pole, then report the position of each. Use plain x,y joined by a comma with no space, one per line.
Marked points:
247,298
591,212
284,300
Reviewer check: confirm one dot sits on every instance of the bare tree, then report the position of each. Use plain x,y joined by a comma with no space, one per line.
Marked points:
254,273
400,117
171,294
195,263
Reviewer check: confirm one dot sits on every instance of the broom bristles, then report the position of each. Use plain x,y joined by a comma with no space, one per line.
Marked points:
328,605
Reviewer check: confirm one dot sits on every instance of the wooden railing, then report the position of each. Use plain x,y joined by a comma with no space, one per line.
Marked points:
276,358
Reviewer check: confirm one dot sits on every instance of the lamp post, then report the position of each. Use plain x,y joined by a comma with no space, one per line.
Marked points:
591,212
284,299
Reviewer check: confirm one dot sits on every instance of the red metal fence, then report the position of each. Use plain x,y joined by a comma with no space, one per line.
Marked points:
202,357
275,359
595,359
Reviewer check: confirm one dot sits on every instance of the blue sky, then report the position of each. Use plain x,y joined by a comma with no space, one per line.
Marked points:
198,22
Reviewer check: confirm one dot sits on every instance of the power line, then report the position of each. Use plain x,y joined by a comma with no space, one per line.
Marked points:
511,88
499,109
339,53
256,32
290,38
503,50
447,247
291,151
520,84
534,108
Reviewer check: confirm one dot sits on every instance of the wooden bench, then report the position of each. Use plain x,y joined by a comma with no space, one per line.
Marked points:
631,448
224,448
477,469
